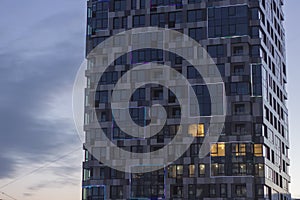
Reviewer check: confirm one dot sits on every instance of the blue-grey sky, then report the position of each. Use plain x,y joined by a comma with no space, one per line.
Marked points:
41,47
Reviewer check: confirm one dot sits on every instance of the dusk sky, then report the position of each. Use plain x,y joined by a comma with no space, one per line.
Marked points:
42,45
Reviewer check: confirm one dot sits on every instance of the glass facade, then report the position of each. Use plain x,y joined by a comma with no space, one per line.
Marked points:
246,39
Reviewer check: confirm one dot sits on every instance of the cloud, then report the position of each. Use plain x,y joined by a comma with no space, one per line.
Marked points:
28,194
59,183
7,167
36,75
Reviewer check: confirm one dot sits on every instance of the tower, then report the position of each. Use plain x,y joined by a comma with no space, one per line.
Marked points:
246,40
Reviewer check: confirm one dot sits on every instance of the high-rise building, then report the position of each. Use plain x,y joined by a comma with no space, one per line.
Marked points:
246,39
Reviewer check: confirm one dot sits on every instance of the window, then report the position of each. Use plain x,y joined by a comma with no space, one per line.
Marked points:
172,130
146,55
208,106
192,170
103,116
217,169
216,71
239,109
223,190
240,129
192,191
137,113
238,51
259,170
100,6
119,5
149,184
86,174
118,134
101,20
196,15
194,150
255,50
175,112
101,97
142,4
157,93
117,22
239,149
217,149
240,190
171,97
201,169
192,72
121,60
115,174
196,130
102,173
259,190
175,171
208,71
174,58
96,42
111,77
256,79
155,3
120,22
216,50
238,70
176,191
157,19
256,32
239,169
197,33
212,190
228,21
138,20
133,4
239,88
195,1
174,18
93,192
258,150
116,191
138,94
86,155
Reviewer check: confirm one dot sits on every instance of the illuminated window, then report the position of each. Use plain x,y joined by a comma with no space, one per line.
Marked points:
217,169
239,149
239,169
258,150
201,169
191,170
217,149
196,130
259,170
175,171
179,170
